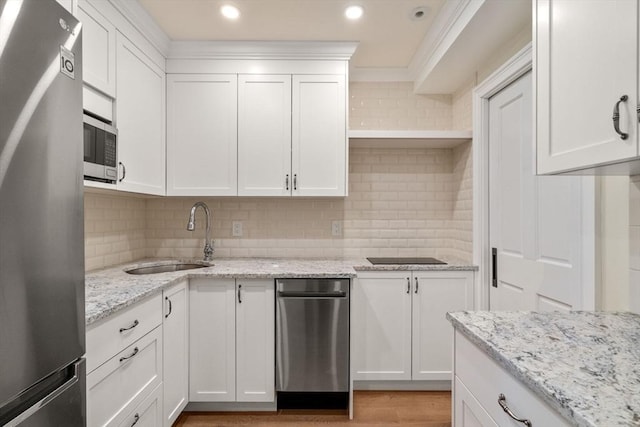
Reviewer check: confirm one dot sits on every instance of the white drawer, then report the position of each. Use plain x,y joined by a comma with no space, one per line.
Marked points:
112,335
486,380
124,381
148,413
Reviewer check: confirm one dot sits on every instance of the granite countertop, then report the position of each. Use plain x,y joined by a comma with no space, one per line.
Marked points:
110,290
586,365
452,264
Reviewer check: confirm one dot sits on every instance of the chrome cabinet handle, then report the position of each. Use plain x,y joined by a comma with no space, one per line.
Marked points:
616,117
502,401
170,307
286,182
416,285
124,171
133,325
295,181
135,351
136,418
239,295
408,285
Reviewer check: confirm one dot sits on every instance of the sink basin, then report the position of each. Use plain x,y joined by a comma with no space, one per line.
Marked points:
166,268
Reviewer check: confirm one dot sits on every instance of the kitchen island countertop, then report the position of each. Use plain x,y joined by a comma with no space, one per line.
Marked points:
586,365
109,290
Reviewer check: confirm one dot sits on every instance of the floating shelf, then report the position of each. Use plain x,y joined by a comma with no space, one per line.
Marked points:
408,138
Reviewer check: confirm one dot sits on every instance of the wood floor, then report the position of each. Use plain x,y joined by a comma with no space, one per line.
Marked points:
371,408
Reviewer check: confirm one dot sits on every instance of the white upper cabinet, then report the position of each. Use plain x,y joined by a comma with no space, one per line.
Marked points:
202,135
98,50
264,135
581,79
319,135
140,118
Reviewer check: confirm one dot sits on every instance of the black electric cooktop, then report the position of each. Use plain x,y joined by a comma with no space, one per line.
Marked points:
405,260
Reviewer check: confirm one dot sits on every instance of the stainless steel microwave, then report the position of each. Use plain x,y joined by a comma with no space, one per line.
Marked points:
100,150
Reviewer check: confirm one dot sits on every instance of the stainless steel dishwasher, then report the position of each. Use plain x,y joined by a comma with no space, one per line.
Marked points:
312,342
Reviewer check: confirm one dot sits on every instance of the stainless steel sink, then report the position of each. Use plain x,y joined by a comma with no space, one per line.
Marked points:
166,268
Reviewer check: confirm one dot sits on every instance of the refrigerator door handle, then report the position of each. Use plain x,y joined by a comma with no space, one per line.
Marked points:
48,398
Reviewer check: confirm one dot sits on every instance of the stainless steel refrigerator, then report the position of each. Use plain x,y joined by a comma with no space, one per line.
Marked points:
41,216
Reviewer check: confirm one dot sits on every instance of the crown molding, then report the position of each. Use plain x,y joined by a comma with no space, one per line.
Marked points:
449,24
262,50
143,22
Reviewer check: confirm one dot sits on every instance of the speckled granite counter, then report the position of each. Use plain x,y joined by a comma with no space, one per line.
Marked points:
452,264
586,365
111,289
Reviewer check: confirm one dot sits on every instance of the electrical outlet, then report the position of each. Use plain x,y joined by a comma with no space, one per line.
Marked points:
236,229
336,228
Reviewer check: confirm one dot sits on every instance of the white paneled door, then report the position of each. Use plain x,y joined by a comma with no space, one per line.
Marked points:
536,223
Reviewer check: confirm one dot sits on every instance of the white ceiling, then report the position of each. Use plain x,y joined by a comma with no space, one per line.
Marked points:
438,53
387,35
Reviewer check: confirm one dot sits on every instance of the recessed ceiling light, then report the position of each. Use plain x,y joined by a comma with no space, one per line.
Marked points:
419,13
354,12
229,11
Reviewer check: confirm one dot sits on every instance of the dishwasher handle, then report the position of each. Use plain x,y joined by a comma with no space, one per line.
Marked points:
291,294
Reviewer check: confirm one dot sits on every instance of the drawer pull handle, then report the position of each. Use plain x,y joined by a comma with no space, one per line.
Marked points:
239,294
417,285
408,285
133,325
616,117
502,401
170,307
136,418
135,351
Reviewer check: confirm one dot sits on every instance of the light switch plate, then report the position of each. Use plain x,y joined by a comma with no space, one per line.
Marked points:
236,229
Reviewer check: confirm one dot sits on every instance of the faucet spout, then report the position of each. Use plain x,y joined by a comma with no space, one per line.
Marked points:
191,225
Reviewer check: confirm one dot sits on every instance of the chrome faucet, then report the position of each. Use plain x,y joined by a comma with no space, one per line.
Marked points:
208,243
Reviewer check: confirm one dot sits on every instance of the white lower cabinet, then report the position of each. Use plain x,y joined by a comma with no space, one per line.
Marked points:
231,340
398,323
175,331
480,381
123,382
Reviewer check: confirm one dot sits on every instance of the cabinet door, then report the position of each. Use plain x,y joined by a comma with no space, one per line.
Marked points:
381,326
175,328
140,118
467,411
579,79
255,338
434,294
319,136
264,135
98,50
202,135
212,346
